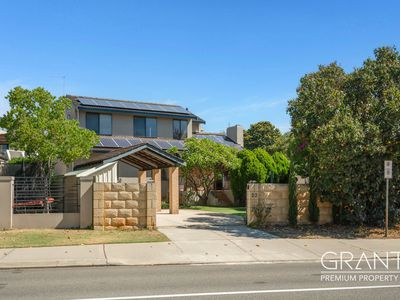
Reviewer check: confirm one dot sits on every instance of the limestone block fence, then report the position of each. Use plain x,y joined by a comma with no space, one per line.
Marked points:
124,205
277,197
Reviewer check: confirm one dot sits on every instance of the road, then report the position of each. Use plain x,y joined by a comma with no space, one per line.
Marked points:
251,281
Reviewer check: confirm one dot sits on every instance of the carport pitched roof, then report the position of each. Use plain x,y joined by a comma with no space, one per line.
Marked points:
142,156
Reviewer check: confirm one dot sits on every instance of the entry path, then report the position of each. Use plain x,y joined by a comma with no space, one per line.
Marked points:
196,237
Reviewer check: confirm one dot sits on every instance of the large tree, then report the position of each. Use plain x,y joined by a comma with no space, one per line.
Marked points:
205,161
37,124
344,126
262,135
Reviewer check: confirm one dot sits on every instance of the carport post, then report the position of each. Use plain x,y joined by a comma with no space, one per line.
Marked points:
173,173
142,175
156,175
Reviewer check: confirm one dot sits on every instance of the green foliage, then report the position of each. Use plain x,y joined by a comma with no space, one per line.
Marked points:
173,150
282,167
37,124
293,207
344,126
262,135
20,160
284,142
205,162
268,162
237,186
249,169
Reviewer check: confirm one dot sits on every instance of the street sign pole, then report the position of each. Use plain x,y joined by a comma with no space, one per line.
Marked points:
388,175
387,208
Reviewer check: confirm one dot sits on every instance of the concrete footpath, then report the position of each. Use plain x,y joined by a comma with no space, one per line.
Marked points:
197,238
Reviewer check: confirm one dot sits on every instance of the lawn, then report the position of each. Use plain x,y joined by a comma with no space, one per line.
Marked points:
238,211
20,238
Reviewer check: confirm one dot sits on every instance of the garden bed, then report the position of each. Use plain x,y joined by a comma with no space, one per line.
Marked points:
331,231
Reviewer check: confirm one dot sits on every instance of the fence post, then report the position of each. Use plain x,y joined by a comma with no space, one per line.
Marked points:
86,201
6,201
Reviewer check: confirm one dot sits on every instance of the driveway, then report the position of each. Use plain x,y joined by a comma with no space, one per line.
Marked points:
192,225
215,237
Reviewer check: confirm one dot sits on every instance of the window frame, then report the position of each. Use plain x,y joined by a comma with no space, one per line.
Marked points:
98,132
180,121
145,127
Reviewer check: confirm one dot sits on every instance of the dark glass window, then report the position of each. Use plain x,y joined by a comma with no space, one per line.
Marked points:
140,126
92,122
151,127
180,129
146,127
99,123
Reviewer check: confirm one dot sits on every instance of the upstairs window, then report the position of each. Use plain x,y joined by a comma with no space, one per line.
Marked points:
180,129
99,123
145,127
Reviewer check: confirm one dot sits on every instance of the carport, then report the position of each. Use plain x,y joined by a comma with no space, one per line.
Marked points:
144,157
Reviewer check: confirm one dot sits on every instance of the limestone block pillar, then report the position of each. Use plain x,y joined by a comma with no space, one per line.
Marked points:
142,176
156,175
7,200
173,173
151,206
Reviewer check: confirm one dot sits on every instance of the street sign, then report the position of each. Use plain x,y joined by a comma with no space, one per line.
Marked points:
388,169
388,175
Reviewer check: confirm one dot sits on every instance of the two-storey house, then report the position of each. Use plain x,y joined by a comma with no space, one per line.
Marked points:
121,123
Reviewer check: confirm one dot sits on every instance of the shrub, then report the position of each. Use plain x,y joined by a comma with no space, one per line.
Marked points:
266,159
261,212
282,167
238,189
250,169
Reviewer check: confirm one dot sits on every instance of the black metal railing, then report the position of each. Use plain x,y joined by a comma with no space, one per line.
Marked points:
38,195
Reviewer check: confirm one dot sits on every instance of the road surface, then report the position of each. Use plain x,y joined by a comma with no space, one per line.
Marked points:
251,281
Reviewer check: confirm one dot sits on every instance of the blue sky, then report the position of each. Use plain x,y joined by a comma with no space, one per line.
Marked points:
230,62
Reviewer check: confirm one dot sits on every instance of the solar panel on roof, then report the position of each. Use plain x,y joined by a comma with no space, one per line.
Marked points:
122,143
176,143
164,144
134,105
153,143
108,142
135,141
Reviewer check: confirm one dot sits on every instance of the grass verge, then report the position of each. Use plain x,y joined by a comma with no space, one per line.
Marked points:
237,211
22,238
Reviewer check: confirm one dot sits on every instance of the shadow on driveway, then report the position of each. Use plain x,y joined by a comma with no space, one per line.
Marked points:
232,226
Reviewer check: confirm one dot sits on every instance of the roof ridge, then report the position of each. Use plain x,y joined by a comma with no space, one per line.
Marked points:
129,101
